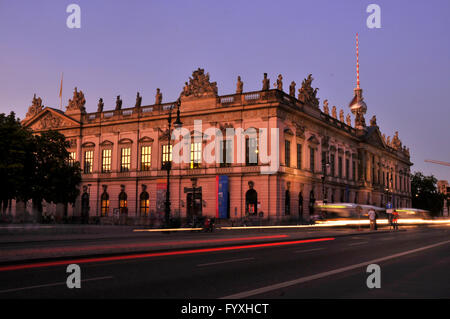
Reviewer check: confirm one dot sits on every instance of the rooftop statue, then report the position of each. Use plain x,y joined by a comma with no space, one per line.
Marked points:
199,85
239,86
266,83
333,112
100,105
158,97
292,89
36,107
396,143
348,119
279,83
373,121
118,103
341,115
138,100
306,94
77,102
326,110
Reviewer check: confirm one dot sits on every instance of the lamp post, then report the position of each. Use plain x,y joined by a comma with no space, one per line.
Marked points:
325,168
168,165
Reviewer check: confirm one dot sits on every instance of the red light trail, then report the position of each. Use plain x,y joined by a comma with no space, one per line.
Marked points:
156,254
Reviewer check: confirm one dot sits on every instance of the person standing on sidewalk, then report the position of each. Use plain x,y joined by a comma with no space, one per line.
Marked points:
373,219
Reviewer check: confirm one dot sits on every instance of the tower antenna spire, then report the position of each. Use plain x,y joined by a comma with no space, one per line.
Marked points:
357,62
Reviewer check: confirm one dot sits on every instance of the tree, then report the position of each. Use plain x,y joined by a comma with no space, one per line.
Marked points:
35,167
425,194
55,179
16,149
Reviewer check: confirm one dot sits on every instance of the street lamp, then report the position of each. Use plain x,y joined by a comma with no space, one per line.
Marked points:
177,124
325,168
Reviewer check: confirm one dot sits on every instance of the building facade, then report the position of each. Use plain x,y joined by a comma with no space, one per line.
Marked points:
123,154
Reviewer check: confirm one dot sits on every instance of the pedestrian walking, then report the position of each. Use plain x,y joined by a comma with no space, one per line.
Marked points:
373,219
395,219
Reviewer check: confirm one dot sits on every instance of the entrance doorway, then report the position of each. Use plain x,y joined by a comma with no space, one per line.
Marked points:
194,204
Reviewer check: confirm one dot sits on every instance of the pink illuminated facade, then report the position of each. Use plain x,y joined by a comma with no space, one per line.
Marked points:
122,153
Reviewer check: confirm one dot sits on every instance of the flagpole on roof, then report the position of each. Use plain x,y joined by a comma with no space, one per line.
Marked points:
60,91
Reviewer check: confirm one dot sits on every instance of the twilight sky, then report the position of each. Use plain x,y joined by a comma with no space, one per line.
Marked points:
129,46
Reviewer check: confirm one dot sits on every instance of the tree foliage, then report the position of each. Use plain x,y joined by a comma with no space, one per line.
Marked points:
425,194
35,167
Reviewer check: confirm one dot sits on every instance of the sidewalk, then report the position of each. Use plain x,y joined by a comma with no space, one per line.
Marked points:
126,241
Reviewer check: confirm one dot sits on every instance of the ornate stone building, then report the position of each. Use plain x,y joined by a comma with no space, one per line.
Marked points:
123,153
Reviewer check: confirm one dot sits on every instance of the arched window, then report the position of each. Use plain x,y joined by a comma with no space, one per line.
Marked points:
300,204
287,203
312,200
123,203
104,204
251,202
144,204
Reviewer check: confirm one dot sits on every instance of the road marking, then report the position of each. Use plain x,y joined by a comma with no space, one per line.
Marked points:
225,262
307,250
52,284
360,243
258,291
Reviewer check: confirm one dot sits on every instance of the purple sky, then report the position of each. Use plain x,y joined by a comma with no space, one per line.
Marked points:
129,46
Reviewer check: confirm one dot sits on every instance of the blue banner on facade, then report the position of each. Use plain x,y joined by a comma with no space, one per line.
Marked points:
223,197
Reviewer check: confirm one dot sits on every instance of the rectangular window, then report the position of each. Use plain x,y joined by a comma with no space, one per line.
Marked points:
88,161
105,207
196,154
106,161
146,158
354,170
125,159
340,166
347,168
324,162
311,159
287,153
251,151
166,155
72,158
332,165
299,156
144,207
226,153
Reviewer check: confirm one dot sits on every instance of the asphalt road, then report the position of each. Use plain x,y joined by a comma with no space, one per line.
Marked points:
414,264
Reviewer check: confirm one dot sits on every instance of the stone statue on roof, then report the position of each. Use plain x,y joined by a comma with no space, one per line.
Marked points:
239,86
36,107
306,94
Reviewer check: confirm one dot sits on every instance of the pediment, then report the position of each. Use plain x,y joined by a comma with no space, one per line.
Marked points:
106,143
146,139
313,140
125,141
374,138
49,119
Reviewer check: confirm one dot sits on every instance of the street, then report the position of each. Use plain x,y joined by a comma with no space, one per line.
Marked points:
414,264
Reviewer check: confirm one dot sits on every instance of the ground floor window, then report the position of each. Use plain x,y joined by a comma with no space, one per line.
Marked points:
144,204
104,204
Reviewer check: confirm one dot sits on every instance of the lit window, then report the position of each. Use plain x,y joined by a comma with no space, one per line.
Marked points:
125,159
106,161
146,158
144,204
72,158
166,155
196,154
104,204
88,161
